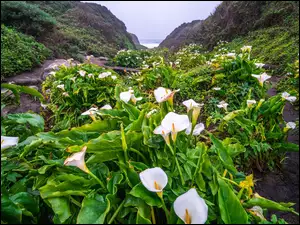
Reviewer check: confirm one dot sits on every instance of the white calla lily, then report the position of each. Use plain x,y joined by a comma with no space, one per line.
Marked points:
259,65
261,78
154,179
61,86
151,112
90,112
7,142
77,159
73,79
82,73
223,105
246,48
291,125
175,123
163,132
288,97
197,130
250,103
106,107
44,106
114,77
190,104
191,208
104,74
66,94
129,95
90,75
231,55
163,94
217,88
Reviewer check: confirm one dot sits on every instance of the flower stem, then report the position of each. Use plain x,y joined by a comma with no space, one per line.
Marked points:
140,154
116,212
231,181
75,201
177,164
165,208
153,216
97,179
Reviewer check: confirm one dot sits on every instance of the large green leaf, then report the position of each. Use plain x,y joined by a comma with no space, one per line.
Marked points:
231,210
131,110
149,197
33,119
10,212
104,156
223,154
143,213
61,207
92,209
27,201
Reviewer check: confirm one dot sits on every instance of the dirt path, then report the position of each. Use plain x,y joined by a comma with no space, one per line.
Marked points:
283,185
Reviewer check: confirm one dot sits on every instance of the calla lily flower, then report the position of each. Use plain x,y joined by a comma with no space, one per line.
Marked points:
82,73
197,130
223,105
90,112
106,107
154,179
73,79
114,77
246,48
104,74
52,73
191,104
129,95
163,132
77,159
231,54
287,97
217,88
65,94
163,94
44,106
7,142
61,86
175,123
191,208
250,103
261,78
291,125
90,75
259,65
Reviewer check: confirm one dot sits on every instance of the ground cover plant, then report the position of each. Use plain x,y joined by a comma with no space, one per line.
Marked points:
168,144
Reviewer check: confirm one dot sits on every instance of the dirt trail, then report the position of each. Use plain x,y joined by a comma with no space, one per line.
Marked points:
283,185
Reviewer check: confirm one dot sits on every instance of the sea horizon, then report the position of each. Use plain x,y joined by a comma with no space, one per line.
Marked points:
150,43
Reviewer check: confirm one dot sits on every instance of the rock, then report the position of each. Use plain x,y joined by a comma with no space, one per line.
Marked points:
54,66
103,58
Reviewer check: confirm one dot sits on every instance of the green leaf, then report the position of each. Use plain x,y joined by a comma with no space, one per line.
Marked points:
10,212
149,197
104,156
27,201
33,119
139,166
116,179
223,154
143,213
231,210
91,210
61,207
131,110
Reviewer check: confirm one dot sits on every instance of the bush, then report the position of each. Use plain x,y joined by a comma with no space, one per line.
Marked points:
25,17
131,58
19,52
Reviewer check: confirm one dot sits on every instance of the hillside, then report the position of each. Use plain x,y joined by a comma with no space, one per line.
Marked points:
75,28
264,24
137,42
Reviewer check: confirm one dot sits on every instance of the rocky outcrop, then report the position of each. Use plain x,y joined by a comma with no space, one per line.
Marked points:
137,42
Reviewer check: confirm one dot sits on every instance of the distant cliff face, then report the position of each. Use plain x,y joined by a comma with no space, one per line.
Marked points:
134,39
81,28
232,19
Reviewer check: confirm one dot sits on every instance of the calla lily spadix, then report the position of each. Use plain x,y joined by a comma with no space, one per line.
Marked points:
106,107
163,94
261,78
288,97
250,103
191,208
154,179
163,132
175,123
197,130
7,142
223,105
77,159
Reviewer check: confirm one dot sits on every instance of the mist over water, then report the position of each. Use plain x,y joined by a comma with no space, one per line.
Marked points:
150,43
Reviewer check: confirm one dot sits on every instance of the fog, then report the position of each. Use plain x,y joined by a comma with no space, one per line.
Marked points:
157,19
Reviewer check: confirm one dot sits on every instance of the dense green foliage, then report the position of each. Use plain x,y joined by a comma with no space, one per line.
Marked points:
28,18
19,52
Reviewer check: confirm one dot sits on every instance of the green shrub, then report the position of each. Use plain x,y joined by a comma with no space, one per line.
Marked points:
25,17
131,58
19,52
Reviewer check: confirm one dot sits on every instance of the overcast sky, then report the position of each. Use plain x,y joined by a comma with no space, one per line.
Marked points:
157,19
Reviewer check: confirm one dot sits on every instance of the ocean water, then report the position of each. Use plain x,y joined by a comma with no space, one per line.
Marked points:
150,43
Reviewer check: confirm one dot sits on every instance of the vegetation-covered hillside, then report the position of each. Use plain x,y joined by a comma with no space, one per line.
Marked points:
271,27
68,28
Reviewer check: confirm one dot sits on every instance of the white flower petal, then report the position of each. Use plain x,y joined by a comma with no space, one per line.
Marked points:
191,104
114,77
250,102
82,73
125,96
77,159
198,129
7,142
175,122
91,111
163,94
61,86
291,125
106,107
192,203
154,175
